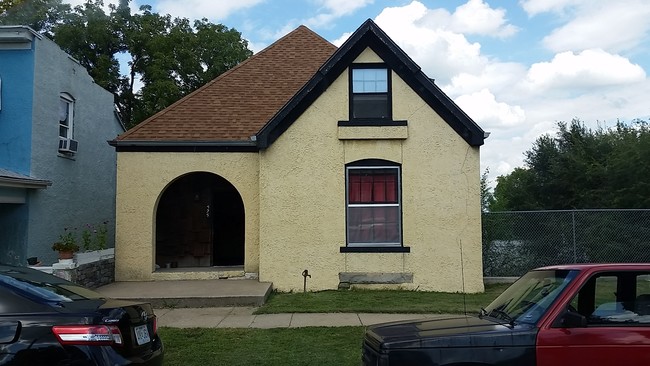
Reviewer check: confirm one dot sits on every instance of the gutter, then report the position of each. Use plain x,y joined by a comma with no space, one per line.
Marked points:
24,182
184,146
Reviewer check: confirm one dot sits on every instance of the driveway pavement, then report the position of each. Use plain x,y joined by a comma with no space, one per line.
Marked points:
243,317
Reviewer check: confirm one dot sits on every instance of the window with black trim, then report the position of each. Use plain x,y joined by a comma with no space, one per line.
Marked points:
373,204
370,96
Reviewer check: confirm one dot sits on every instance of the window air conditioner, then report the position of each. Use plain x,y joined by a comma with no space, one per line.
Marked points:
67,145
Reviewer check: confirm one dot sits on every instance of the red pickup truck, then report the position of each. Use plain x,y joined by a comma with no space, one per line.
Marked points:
582,314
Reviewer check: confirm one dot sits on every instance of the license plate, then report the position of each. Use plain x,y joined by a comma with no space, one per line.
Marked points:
142,334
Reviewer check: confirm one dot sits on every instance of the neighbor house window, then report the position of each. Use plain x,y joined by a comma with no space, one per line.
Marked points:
373,204
369,91
66,116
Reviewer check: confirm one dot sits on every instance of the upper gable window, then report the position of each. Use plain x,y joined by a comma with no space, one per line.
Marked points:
370,92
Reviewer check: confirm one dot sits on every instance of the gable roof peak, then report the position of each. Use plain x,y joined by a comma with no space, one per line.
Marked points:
370,35
236,104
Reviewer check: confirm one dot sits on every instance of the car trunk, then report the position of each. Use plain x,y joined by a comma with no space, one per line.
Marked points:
136,322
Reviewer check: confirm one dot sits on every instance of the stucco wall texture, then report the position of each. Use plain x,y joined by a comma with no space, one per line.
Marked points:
302,197
141,180
294,197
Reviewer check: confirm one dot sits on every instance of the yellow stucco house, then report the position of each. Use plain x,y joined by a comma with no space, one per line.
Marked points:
347,162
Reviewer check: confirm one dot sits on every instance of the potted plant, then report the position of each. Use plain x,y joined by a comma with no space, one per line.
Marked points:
67,245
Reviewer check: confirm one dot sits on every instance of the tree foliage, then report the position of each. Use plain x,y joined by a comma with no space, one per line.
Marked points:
40,15
167,57
580,168
487,198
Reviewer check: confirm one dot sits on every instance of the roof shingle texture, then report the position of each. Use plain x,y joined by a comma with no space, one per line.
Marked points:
238,103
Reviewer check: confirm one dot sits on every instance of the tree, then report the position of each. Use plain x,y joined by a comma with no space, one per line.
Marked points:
93,38
173,58
40,15
514,192
169,57
581,168
486,194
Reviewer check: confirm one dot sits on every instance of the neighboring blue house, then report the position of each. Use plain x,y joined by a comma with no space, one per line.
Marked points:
56,169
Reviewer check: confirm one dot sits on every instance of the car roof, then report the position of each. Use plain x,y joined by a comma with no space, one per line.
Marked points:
591,266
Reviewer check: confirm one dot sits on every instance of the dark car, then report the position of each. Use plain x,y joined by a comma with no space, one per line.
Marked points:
596,315
45,320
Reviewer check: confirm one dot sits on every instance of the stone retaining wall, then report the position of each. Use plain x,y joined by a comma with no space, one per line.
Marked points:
92,269
96,274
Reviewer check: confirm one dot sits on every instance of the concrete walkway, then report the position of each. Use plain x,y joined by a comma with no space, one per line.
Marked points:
243,317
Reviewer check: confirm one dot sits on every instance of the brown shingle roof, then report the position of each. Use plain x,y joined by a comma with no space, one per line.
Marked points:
238,103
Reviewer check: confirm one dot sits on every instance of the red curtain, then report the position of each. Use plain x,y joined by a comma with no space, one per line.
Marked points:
365,187
373,224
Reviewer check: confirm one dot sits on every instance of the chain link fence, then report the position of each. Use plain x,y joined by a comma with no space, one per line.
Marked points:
515,242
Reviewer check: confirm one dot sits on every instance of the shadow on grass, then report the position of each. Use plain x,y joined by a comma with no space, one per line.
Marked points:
380,301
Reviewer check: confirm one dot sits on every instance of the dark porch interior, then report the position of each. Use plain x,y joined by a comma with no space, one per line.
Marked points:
200,223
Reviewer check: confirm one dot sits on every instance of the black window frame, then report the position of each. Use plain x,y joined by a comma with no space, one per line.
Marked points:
397,247
389,95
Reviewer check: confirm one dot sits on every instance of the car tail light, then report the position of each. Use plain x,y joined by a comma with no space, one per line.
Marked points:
155,325
93,335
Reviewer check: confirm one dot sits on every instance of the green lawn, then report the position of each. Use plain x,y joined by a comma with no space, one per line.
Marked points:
337,346
313,345
377,301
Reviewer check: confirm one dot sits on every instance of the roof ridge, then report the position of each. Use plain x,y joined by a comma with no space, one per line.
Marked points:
236,104
223,75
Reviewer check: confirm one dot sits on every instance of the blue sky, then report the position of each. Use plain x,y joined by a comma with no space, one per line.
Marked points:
515,66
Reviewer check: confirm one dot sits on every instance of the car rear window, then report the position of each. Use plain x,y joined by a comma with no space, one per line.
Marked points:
47,288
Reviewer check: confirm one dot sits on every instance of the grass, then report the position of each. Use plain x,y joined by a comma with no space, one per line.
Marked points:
314,345
378,301
285,346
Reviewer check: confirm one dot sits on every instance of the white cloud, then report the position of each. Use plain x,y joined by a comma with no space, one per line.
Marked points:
256,46
499,77
339,41
343,7
483,107
588,68
534,7
614,26
440,52
334,9
435,39
197,9
473,17
476,17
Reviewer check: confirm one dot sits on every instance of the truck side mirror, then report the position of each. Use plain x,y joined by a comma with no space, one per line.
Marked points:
572,319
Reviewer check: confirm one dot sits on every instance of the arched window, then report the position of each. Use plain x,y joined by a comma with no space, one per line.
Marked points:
373,195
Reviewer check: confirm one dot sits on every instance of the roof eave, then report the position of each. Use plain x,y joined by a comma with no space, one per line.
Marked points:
183,146
28,183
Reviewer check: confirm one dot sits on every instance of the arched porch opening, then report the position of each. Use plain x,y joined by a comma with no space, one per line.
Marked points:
200,223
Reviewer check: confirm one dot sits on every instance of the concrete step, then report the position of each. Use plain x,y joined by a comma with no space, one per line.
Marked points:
202,273
191,293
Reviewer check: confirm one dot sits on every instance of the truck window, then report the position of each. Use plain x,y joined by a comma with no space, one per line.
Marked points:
618,298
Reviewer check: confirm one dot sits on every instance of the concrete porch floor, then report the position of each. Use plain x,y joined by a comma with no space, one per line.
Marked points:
191,293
